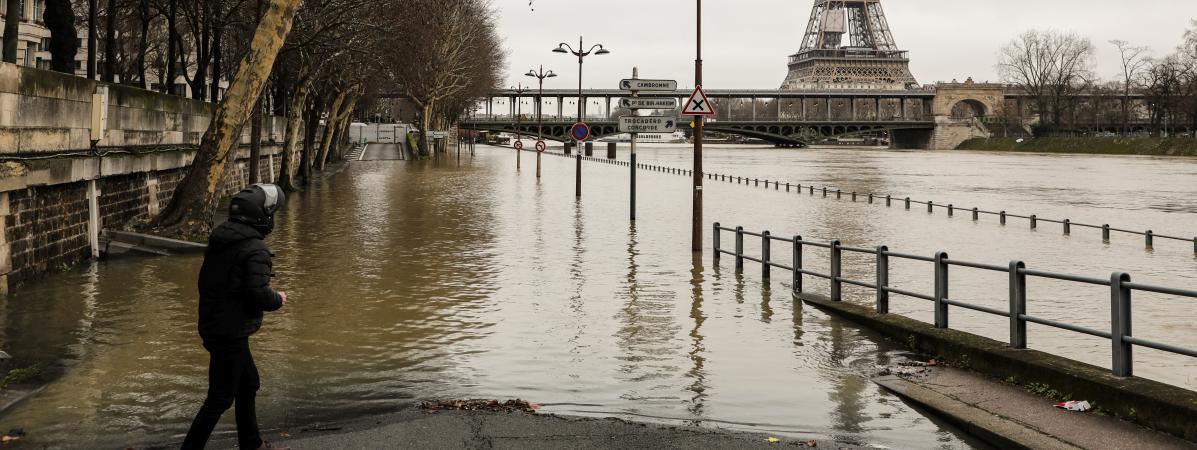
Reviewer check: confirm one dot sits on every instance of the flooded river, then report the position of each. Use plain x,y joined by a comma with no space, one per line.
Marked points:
417,280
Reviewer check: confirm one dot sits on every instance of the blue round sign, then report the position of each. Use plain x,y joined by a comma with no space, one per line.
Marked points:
580,131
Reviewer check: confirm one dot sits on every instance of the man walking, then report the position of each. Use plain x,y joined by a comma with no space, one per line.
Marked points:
234,288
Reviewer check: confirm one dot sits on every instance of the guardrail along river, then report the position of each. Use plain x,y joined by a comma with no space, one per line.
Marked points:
417,280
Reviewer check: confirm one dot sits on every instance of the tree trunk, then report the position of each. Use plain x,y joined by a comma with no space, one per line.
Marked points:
110,41
199,84
12,22
330,125
64,41
311,124
286,176
190,210
425,127
217,64
168,85
255,143
143,43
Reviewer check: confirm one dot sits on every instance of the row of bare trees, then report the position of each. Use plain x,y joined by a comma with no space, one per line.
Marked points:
1056,72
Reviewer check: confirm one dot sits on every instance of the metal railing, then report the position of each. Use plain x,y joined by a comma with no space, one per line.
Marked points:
1121,290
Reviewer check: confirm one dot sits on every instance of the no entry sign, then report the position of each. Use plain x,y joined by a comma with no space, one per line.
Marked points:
580,131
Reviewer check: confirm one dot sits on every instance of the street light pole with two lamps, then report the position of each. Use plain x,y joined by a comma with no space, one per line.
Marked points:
597,49
540,76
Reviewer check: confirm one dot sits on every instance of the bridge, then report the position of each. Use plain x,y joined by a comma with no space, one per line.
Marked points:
938,116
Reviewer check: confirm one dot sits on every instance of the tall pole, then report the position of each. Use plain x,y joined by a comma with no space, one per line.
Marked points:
578,177
632,157
539,118
696,231
519,92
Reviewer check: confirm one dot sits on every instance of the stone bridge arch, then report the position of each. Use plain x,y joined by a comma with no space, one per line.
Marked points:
968,99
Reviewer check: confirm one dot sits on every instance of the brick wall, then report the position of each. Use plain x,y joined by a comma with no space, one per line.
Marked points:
46,228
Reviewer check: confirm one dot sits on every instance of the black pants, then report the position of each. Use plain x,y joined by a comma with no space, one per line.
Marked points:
232,377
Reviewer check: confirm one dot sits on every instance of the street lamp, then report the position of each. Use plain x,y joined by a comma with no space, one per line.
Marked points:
519,92
566,48
539,76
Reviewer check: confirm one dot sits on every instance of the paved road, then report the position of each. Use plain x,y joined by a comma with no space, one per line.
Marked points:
382,152
483,430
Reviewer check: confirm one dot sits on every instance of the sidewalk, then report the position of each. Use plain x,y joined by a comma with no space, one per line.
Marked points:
1008,416
485,430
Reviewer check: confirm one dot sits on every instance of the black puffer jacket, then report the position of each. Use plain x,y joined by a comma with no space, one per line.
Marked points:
234,283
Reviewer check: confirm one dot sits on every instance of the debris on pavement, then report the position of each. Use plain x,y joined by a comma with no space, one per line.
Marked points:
772,440
515,405
1074,405
12,436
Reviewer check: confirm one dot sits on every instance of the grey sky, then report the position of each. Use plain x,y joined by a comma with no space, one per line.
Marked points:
745,42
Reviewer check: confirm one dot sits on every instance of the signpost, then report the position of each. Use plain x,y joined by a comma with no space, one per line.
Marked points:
648,103
635,124
647,124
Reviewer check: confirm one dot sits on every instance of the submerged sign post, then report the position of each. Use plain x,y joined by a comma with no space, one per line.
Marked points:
635,124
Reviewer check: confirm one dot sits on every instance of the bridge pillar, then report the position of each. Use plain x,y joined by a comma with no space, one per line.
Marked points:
611,150
569,146
589,149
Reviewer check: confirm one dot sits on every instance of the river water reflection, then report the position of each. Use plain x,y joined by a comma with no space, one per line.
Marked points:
413,280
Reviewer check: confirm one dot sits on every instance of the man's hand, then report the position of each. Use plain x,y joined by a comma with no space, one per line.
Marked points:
283,296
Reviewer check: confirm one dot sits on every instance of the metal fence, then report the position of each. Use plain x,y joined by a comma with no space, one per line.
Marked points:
1120,284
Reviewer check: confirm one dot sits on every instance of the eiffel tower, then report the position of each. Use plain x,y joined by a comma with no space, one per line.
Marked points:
848,44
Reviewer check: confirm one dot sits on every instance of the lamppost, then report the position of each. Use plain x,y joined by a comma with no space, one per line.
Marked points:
565,48
519,92
539,76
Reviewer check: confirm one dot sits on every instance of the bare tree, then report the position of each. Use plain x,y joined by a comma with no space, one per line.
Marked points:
12,21
1134,60
1049,66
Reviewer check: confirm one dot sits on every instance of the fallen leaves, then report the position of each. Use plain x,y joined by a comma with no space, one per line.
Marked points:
479,405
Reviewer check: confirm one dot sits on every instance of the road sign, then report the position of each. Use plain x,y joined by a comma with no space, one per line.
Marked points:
539,146
647,124
580,131
648,103
698,105
519,145
648,85
438,134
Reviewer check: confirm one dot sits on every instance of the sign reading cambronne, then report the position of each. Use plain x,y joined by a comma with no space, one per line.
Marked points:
647,124
648,103
648,85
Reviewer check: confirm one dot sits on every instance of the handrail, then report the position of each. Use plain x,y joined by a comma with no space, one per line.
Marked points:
1121,290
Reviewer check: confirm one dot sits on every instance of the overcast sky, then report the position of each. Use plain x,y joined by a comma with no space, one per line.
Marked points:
746,42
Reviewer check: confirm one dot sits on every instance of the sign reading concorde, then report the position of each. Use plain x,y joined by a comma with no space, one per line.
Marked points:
647,124
648,85
648,103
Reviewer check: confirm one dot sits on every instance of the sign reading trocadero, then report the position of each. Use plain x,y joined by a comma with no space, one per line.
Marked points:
647,124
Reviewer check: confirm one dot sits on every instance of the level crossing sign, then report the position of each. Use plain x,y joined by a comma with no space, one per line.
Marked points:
698,104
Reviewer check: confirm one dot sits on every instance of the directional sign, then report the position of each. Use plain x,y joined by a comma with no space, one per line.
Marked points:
648,85
539,146
579,131
519,145
438,134
647,124
698,105
648,103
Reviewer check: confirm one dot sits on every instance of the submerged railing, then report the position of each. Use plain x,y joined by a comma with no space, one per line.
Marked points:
1121,290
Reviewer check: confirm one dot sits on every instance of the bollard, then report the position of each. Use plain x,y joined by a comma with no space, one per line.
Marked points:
739,249
1150,238
611,150
1002,217
882,280
907,203
715,241
1067,227
950,210
1120,321
976,216
1034,222
836,267
1018,305
765,244
797,282
941,290
1105,233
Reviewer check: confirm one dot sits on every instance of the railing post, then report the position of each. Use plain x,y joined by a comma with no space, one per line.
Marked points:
739,249
882,280
836,268
812,189
839,194
941,290
1067,227
787,187
870,199
1034,222
951,210
1105,233
777,186
1002,217
853,197
1120,320
976,214
715,240
1018,305
766,243
930,204
797,264
1150,239
887,200
907,203
825,191
1195,246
